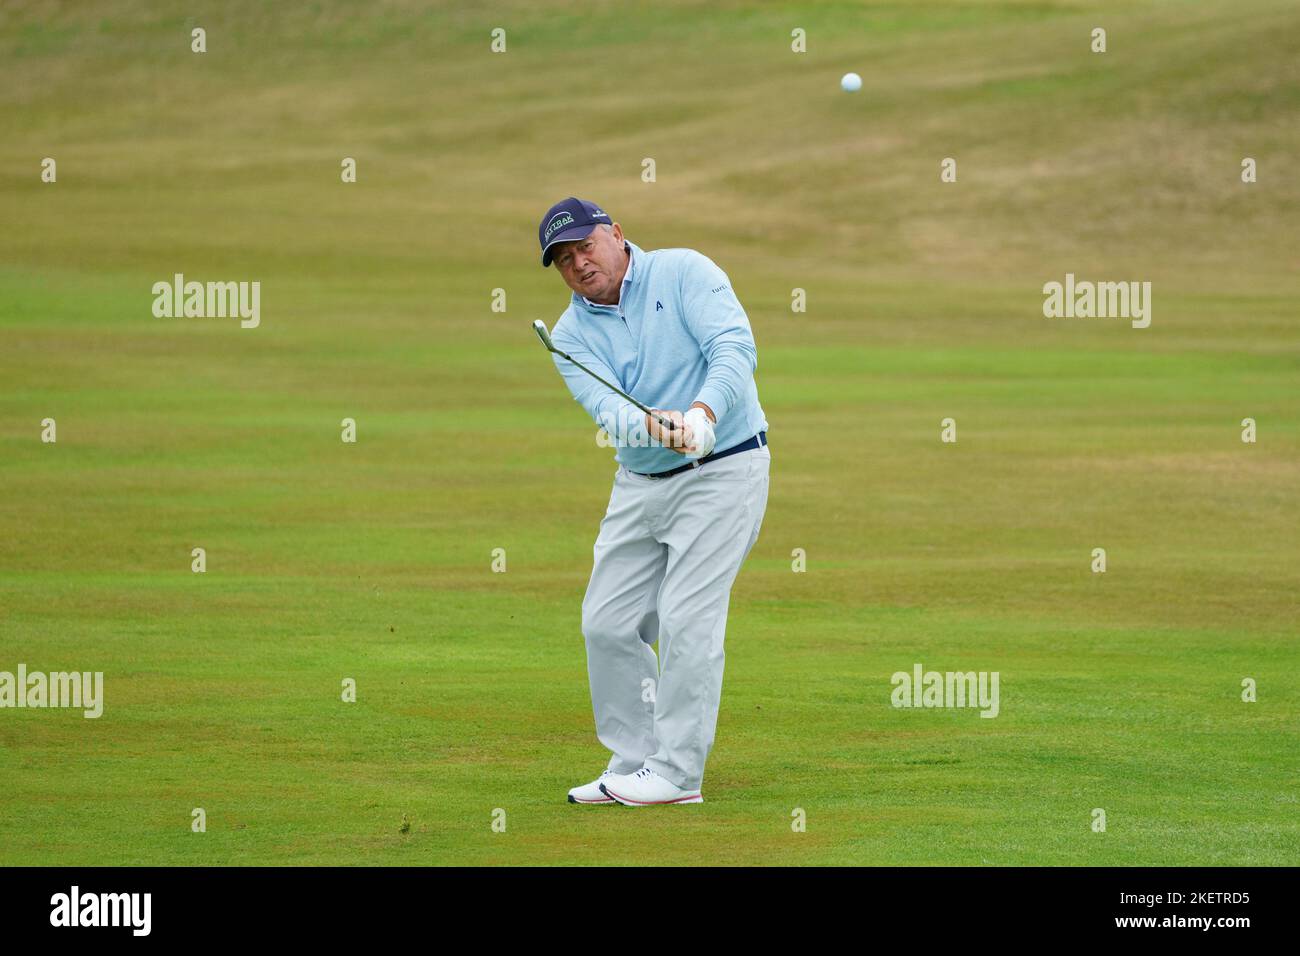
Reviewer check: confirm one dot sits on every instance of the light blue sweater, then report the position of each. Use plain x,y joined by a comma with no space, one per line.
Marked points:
678,335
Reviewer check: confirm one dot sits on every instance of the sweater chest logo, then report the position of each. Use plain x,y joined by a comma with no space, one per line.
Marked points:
659,306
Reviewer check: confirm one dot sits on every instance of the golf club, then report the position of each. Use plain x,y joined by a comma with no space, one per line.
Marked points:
540,328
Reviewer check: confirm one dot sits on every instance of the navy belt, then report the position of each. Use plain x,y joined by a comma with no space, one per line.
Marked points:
757,441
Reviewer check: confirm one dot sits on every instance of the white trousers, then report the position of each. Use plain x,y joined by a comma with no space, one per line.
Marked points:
665,559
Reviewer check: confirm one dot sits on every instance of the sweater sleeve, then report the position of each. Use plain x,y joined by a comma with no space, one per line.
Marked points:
716,319
624,422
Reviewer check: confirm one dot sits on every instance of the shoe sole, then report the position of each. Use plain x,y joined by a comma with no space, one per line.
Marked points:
628,802
573,799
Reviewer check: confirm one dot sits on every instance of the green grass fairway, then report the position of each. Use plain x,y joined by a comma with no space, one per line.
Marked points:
373,561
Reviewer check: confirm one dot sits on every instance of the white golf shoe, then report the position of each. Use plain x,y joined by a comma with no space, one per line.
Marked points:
591,792
645,788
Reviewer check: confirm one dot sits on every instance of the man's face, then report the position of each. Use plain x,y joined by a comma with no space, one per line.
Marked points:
594,266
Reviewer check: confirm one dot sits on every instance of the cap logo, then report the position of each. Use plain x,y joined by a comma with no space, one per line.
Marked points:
558,222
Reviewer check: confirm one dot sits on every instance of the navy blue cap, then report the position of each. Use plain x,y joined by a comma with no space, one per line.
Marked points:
567,220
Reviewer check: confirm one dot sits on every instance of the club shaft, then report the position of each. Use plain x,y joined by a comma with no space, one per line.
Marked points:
667,423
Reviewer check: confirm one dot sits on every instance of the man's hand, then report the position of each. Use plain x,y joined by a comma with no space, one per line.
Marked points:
679,439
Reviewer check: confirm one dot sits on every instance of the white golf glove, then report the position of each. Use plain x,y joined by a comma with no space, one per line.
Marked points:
702,429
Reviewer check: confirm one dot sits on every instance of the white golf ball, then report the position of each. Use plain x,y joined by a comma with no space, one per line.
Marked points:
850,83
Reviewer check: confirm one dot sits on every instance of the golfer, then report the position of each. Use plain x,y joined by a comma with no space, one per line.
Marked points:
686,504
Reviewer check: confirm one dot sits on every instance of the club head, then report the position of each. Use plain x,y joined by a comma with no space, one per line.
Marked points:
540,328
